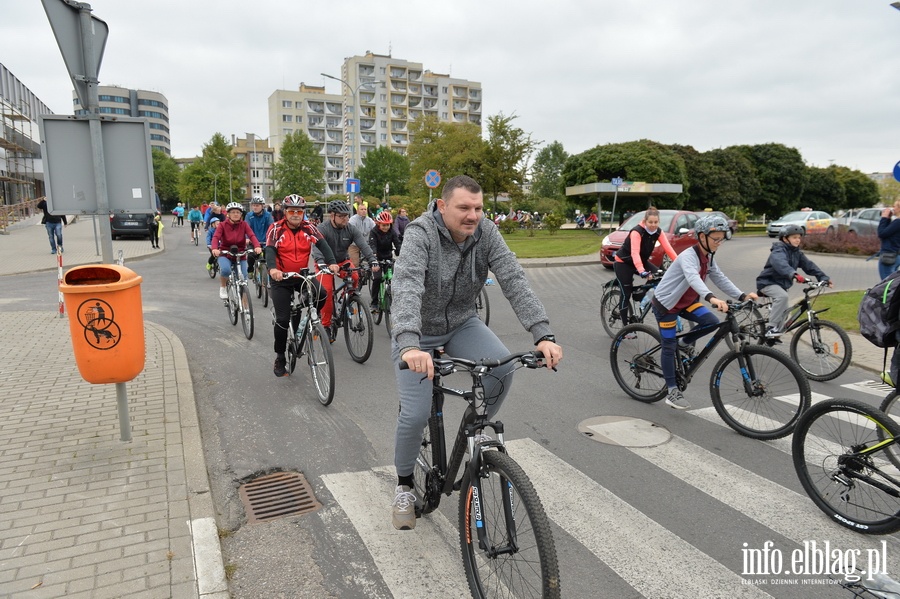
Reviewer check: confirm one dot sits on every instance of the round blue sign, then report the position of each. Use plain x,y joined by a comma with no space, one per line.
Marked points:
432,178
897,171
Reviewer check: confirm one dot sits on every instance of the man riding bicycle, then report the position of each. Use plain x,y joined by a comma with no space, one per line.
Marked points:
382,239
446,255
288,245
259,221
678,293
233,231
339,234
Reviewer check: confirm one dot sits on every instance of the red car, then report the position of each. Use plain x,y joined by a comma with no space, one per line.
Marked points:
677,225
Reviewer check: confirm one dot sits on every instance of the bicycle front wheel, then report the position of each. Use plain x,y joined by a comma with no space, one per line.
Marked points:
246,312
426,479
358,329
853,484
635,357
892,410
763,398
519,556
386,308
822,350
233,304
321,362
483,306
609,310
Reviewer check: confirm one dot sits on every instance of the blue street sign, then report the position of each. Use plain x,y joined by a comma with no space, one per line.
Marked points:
897,171
432,178
617,181
353,186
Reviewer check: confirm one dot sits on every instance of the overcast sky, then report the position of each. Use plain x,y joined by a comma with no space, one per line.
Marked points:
821,76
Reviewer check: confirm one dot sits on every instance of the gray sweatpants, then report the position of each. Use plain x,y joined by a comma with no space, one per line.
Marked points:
779,297
473,340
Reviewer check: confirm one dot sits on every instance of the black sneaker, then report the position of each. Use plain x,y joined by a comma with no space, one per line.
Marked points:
280,366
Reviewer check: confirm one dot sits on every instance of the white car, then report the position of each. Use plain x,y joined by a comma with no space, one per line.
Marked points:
811,221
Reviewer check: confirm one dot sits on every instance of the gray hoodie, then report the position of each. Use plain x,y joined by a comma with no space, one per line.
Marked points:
436,281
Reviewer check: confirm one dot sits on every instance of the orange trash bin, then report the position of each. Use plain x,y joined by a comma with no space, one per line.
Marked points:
106,321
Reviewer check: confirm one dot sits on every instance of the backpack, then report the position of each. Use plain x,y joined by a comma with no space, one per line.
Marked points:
878,312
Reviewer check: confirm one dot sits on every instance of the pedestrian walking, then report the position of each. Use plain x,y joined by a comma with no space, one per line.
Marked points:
54,225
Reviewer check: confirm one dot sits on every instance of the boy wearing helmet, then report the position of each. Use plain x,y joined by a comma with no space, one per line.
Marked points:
780,272
382,239
680,290
232,231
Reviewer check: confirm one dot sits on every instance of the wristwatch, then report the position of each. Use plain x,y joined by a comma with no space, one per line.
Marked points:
550,338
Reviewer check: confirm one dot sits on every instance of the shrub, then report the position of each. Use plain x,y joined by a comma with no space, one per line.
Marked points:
842,243
553,221
509,226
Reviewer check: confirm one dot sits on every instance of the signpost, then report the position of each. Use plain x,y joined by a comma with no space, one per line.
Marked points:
353,185
897,171
617,182
432,180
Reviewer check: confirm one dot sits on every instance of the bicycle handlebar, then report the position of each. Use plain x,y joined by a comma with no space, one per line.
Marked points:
449,364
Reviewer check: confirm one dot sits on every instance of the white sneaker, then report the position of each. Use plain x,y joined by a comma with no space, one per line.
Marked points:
223,293
404,509
676,400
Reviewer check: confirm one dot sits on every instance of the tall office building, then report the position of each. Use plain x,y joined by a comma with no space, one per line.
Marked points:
139,103
380,96
319,116
21,168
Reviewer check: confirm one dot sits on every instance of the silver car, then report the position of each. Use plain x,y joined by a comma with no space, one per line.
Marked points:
865,222
811,221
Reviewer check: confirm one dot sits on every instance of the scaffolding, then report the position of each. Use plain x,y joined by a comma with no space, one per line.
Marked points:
18,152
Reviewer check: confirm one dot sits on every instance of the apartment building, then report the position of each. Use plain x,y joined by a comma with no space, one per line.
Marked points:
139,103
380,97
259,158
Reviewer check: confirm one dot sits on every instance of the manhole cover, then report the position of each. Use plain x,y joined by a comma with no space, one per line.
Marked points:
624,431
277,495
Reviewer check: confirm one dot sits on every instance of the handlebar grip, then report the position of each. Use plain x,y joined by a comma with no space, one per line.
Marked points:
404,365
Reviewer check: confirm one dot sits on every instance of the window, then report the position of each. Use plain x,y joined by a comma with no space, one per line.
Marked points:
286,132
299,119
297,105
444,89
444,102
254,173
384,137
444,115
383,124
384,110
287,103
286,118
383,97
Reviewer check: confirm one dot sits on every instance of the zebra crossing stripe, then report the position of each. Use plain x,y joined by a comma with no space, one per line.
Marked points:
425,562
617,533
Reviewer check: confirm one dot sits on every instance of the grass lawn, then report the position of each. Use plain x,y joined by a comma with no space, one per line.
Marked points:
565,242
843,306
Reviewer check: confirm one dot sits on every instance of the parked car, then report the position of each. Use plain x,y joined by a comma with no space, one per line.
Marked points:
811,221
130,224
732,224
865,222
677,225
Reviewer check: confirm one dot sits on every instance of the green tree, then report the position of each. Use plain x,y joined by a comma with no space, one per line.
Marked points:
299,168
547,172
889,191
781,174
165,178
506,154
859,190
383,165
824,190
208,178
451,149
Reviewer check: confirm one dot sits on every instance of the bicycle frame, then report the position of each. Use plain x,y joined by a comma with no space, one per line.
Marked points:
387,273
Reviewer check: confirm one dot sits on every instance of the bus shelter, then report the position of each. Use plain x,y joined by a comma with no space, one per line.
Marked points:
627,189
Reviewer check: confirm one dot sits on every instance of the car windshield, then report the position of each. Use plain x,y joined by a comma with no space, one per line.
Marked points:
795,216
665,221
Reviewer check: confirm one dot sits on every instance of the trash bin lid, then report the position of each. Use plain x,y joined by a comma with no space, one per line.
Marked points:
99,277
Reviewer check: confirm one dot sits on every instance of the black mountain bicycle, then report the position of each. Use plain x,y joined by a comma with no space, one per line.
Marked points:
845,454
505,535
821,348
612,298
306,335
756,390
351,313
260,277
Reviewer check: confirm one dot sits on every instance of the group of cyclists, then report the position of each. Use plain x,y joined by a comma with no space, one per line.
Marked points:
683,285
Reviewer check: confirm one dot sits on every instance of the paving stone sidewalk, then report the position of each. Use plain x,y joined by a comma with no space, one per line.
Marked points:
82,513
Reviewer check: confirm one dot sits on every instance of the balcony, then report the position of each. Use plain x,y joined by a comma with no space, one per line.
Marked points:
459,92
415,89
399,139
475,107
414,101
398,99
366,124
398,86
315,121
474,118
333,107
335,162
398,73
459,104
368,138
366,70
398,126
333,123
317,107
474,94
320,148
431,90
317,136
398,113
430,103
333,149
366,98
459,117
414,114
334,136
415,75
369,112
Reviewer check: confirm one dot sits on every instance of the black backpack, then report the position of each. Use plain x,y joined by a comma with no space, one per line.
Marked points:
878,312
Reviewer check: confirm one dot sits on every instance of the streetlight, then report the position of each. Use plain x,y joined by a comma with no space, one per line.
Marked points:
356,142
230,184
216,188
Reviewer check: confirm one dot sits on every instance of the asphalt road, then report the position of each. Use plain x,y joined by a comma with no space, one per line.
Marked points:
665,518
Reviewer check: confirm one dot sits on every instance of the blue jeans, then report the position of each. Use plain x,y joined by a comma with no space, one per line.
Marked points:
54,232
473,340
885,270
697,313
225,267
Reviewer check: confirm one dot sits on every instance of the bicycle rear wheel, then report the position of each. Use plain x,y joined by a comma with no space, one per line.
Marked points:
520,557
609,310
891,407
778,392
358,329
483,306
857,488
246,307
635,357
822,350
321,362
213,270
752,324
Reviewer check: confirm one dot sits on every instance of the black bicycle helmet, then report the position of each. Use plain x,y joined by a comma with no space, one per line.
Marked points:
293,200
339,207
788,230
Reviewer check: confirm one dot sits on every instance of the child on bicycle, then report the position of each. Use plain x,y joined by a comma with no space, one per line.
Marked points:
679,291
780,272
633,258
213,224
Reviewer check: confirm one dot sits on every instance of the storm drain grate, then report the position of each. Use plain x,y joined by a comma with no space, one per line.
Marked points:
277,495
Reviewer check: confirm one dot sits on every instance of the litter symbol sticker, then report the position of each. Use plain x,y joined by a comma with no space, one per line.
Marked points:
100,328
